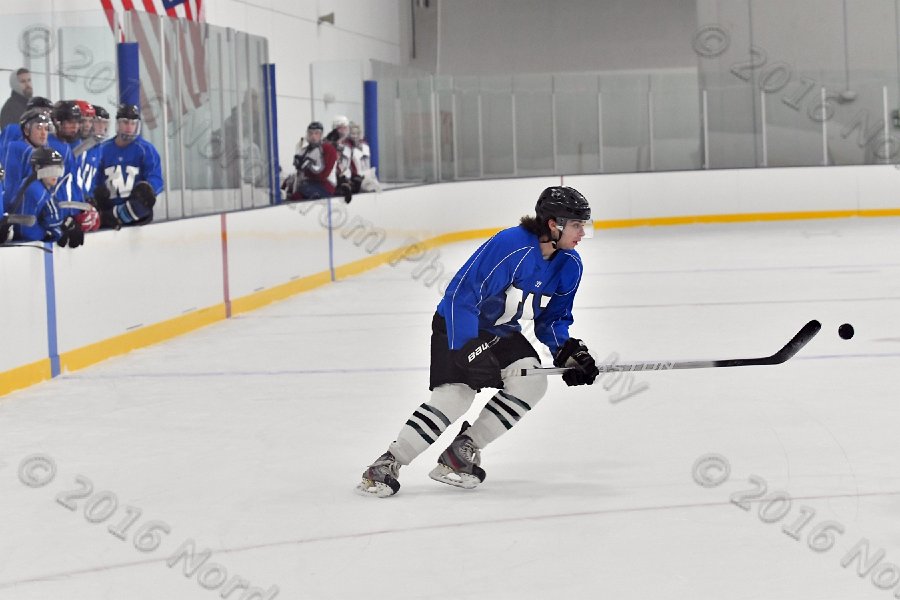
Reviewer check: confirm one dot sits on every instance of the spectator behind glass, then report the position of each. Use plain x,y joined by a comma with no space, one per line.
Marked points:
362,174
315,165
338,138
20,82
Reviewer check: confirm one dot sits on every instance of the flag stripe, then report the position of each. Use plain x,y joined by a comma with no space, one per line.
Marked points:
185,74
184,59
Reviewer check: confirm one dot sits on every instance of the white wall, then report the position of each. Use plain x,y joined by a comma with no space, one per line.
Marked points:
23,307
538,36
136,277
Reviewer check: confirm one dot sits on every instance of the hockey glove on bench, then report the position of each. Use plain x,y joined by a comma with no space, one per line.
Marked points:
479,365
72,235
575,354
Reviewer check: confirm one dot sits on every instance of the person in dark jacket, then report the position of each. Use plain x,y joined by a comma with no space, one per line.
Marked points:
14,107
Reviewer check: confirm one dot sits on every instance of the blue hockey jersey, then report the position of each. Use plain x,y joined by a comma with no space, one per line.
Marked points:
67,187
18,169
39,201
507,280
10,133
120,168
87,162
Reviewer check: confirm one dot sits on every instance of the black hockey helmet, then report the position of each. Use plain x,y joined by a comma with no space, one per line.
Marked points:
45,155
563,204
46,162
128,111
39,102
34,116
101,112
66,110
559,202
101,123
316,125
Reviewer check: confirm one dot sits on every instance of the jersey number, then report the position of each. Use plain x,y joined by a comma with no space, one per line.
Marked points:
519,305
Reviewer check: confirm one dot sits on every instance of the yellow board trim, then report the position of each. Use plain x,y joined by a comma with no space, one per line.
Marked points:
747,217
279,292
24,376
30,374
139,338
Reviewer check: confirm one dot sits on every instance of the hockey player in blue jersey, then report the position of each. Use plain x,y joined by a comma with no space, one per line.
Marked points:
129,176
93,133
38,200
531,271
66,115
36,127
13,131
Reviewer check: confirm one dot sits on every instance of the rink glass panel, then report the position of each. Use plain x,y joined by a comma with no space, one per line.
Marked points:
805,83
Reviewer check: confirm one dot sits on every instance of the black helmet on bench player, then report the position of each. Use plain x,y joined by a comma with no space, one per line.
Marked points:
126,113
46,162
564,204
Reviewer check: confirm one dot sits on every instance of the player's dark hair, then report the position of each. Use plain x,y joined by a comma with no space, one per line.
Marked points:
531,224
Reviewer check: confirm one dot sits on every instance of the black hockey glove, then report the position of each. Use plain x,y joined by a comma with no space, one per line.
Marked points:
143,193
479,365
137,210
72,235
101,198
343,189
575,354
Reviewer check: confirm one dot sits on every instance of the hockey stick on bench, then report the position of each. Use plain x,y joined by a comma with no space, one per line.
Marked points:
806,333
74,204
27,220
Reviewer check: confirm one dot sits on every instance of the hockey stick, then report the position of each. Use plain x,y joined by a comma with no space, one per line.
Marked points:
806,333
85,146
27,220
74,204
21,245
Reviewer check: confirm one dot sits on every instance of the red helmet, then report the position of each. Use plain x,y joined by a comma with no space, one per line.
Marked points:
88,113
87,109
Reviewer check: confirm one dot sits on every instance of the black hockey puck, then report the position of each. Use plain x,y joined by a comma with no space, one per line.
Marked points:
845,331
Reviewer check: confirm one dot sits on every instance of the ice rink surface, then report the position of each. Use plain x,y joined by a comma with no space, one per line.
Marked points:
246,439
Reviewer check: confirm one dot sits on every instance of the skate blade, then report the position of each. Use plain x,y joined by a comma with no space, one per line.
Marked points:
445,474
375,489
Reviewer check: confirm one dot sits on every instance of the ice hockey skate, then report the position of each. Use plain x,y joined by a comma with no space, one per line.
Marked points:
459,464
380,479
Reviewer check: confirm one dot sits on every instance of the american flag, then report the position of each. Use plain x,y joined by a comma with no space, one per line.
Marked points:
187,69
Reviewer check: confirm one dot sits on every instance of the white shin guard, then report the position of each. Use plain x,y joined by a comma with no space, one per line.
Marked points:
518,396
447,403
